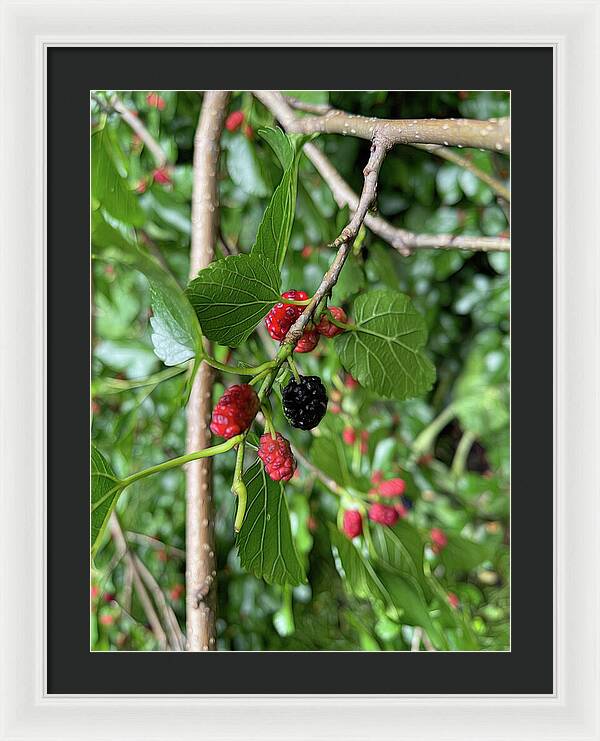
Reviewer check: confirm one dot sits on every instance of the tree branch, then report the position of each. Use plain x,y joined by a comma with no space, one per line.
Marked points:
379,149
401,240
200,539
138,127
493,134
448,154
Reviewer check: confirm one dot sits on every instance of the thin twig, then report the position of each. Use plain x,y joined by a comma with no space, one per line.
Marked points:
401,240
493,134
302,105
200,539
174,634
158,545
451,156
326,480
138,127
143,597
379,149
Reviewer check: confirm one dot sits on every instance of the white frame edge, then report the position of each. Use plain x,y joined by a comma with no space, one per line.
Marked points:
573,29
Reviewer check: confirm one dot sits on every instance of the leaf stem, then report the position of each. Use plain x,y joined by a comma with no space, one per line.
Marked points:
239,488
268,420
182,460
240,370
424,441
463,448
342,325
293,368
294,302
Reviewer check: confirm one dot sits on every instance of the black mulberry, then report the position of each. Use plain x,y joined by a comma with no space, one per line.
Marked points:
305,402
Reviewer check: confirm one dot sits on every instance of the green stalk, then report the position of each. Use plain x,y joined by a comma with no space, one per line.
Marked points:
459,461
294,302
293,368
426,438
182,460
239,488
240,370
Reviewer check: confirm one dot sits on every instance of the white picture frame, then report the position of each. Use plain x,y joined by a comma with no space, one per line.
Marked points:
572,28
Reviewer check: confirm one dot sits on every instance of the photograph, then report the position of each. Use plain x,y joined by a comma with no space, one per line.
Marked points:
300,371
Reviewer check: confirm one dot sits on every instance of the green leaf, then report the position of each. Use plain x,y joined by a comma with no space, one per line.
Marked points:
232,295
280,144
328,455
384,352
244,168
400,547
275,228
109,189
176,335
106,488
358,574
265,542
461,554
408,598
481,394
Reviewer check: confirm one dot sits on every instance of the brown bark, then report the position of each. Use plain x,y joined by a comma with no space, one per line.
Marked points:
493,134
201,567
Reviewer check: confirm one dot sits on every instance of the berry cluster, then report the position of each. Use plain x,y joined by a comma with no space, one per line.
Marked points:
282,316
235,411
382,514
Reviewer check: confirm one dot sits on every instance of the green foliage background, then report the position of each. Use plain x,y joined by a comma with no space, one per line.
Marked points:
464,298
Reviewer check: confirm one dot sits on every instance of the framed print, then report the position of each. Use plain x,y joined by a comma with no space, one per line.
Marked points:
299,415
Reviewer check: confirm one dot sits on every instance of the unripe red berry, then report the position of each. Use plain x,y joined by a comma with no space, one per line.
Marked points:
277,456
453,600
162,176
234,411
349,436
141,186
156,101
392,488
281,317
352,523
335,408
350,382
307,252
383,514
234,120
326,328
439,539
308,341
377,477
94,592
106,619
248,132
